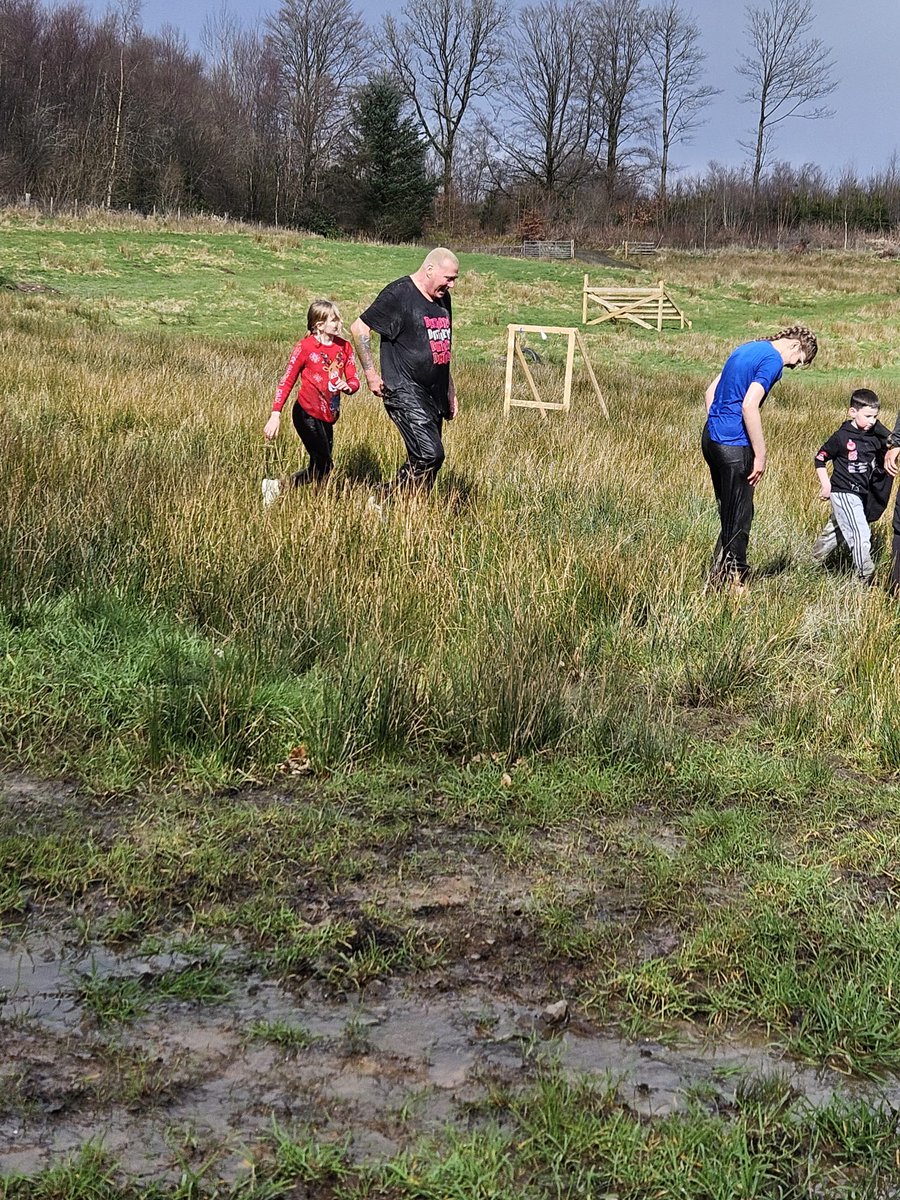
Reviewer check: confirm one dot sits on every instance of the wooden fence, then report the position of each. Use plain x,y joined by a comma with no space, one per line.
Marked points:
548,249
514,353
635,249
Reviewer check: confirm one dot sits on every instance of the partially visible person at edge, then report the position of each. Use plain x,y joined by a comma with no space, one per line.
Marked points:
892,466
414,319
733,443
323,361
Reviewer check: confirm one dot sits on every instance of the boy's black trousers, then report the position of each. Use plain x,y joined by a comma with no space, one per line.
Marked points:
729,467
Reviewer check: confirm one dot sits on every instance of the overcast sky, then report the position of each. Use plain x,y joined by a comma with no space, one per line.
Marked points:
864,38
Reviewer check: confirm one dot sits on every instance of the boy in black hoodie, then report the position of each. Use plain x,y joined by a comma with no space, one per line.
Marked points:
857,484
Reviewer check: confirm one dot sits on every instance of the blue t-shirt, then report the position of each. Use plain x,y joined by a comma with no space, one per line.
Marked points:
754,362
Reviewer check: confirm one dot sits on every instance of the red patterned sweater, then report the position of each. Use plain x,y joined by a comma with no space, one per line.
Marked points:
319,367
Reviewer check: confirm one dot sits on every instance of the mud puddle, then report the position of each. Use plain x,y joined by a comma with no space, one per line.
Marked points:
187,1082
110,1045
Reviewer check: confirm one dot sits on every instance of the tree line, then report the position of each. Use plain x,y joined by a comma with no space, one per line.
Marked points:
465,115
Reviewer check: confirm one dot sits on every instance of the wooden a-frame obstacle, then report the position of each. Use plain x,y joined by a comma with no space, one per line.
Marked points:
649,307
514,354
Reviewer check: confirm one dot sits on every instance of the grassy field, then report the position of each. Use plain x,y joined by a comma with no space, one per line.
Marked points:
281,724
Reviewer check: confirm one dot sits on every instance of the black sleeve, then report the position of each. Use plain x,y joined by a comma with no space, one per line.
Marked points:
894,437
835,445
384,314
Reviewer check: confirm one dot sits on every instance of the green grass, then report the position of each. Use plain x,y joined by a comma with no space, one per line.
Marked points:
249,284
559,1138
111,999
207,283
289,1036
520,678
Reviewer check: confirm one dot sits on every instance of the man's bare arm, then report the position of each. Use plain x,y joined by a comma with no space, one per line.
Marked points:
362,335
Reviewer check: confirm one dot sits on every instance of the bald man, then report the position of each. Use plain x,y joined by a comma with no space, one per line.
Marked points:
413,317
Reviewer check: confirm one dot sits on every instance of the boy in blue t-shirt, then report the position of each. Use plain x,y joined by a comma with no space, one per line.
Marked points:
733,443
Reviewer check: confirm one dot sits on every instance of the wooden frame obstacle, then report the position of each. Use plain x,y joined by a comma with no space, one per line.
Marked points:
514,354
648,307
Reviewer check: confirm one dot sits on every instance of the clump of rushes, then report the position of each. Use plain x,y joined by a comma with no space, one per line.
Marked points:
155,623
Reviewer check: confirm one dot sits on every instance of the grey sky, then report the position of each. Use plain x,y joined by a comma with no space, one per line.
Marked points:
864,38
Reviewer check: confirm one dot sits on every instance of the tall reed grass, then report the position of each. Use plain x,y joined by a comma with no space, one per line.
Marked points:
548,595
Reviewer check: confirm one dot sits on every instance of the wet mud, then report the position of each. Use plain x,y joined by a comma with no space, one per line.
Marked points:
396,1060
190,1082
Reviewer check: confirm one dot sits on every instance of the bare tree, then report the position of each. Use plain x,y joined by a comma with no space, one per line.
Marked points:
321,45
26,116
615,52
788,71
242,122
544,130
221,36
445,54
675,67
128,13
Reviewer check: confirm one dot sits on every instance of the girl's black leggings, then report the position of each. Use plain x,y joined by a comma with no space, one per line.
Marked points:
729,467
317,437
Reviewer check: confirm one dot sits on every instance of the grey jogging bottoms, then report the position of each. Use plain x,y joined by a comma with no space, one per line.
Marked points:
849,514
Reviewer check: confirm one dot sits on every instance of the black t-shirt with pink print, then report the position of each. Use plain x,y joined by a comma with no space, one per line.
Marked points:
856,456
416,335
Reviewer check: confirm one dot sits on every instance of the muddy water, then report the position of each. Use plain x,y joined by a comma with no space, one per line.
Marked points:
189,1084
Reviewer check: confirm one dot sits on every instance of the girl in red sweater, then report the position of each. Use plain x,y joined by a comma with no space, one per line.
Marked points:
324,363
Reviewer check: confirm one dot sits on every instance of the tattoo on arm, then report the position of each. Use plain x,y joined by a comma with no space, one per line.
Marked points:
365,352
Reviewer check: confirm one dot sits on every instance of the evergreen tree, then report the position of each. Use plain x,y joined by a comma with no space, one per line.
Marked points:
394,188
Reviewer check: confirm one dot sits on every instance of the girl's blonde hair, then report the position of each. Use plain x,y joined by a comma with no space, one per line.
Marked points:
319,311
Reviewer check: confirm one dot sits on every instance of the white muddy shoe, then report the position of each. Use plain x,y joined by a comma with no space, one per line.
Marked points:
271,490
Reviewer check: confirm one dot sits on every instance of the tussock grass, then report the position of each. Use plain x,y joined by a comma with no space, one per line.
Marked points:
558,566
